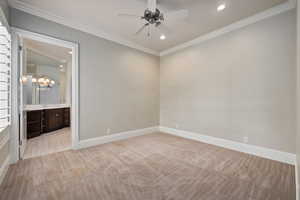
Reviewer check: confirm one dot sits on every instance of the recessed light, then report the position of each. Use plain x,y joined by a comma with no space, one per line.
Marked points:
162,37
61,66
221,7
70,52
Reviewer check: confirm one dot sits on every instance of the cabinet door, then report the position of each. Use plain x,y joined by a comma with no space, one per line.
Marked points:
49,120
66,117
33,124
59,116
53,119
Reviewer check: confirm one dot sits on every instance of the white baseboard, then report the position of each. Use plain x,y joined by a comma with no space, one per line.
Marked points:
115,137
4,169
237,146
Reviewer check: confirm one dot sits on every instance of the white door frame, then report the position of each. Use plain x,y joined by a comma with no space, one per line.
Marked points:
14,139
21,62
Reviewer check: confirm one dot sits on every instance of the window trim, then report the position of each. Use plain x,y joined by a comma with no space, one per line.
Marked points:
9,76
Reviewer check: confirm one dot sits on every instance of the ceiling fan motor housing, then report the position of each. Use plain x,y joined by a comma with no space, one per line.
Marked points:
153,17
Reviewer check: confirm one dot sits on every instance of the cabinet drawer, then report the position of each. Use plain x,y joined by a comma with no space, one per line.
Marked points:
34,116
34,127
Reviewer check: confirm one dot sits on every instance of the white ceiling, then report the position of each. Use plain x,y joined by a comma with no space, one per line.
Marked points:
102,14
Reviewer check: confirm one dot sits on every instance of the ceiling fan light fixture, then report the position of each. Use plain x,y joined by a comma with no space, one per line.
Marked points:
162,37
153,17
221,7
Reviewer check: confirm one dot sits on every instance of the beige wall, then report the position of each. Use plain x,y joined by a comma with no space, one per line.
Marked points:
119,86
241,84
298,93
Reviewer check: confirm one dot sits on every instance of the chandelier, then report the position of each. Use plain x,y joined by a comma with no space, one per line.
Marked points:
43,82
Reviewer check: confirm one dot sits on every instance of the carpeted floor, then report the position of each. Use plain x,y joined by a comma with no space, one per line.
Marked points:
151,167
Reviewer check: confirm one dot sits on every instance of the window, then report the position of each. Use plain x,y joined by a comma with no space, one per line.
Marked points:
5,79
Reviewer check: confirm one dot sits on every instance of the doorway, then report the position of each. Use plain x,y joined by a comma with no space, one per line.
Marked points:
45,76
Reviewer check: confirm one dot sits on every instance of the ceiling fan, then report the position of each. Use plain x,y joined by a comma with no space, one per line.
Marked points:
153,17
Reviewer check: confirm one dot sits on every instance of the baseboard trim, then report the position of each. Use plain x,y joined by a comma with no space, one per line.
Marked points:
115,137
284,157
4,168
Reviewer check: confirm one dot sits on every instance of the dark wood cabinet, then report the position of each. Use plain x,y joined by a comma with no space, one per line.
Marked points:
67,117
34,124
53,120
44,121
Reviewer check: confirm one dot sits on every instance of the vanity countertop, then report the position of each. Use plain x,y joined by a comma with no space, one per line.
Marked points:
45,107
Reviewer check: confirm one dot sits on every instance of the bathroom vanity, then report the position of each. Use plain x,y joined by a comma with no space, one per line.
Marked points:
45,119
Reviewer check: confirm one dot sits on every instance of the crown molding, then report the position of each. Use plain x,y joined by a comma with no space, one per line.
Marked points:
82,27
290,4
235,26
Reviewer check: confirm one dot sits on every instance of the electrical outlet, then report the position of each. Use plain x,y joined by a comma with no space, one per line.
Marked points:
108,131
246,139
176,126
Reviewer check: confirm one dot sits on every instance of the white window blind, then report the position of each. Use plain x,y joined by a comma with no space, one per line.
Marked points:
5,80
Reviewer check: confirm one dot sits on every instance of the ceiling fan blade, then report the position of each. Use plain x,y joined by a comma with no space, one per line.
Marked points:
141,29
152,5
176,15
164,29
128,15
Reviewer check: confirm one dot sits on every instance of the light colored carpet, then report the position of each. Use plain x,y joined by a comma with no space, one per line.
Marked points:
151,167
